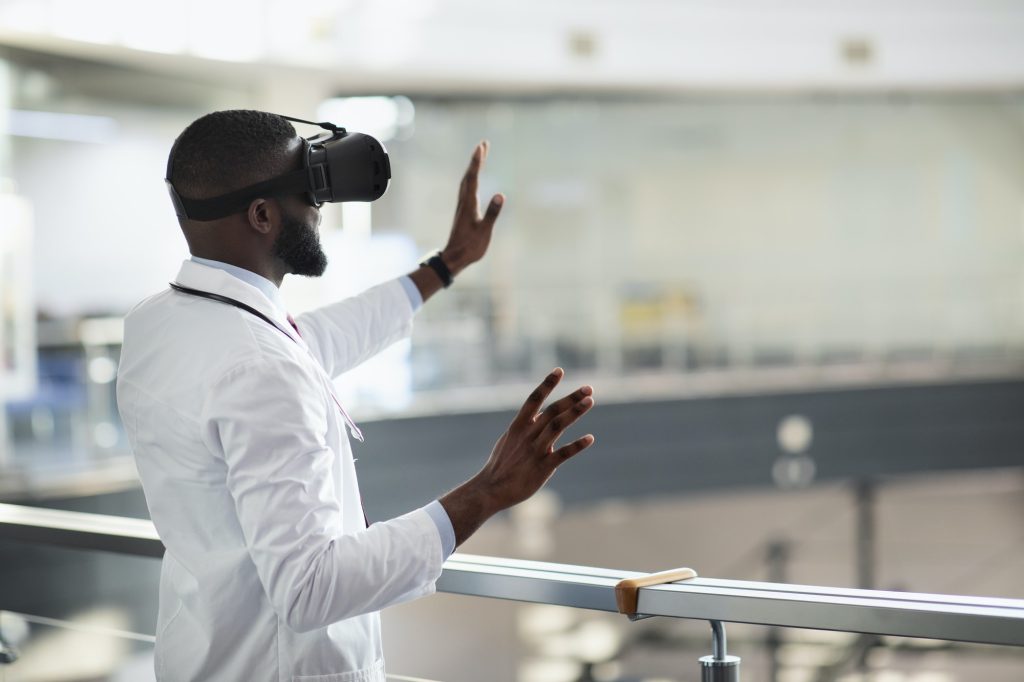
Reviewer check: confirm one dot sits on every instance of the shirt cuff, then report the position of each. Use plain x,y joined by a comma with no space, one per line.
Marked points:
415,299
444,526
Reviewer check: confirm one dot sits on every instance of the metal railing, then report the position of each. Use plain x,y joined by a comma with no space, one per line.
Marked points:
874,612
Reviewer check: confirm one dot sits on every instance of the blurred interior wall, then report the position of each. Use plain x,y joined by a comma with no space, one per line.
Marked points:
793,222
747,225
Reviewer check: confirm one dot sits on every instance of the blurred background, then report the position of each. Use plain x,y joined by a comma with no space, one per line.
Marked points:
784,242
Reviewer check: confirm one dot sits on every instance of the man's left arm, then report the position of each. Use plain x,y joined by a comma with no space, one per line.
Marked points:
345,334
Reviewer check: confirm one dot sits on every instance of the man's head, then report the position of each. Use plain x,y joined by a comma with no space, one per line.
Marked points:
225,151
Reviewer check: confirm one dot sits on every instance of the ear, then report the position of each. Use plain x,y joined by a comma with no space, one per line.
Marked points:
262,215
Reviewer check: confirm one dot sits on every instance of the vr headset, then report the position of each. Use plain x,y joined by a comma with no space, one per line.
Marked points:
338,166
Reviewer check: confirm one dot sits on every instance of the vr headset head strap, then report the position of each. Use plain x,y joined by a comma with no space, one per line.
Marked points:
326,125
295,182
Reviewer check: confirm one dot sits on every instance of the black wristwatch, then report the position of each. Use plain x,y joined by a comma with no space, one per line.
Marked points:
436,263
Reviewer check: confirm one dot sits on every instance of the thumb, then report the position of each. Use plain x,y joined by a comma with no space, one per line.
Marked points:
493,209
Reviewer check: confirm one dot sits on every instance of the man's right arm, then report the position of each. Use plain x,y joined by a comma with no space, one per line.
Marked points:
280,473
279,476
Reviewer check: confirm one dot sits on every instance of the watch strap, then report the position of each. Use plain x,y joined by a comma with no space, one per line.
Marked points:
437,264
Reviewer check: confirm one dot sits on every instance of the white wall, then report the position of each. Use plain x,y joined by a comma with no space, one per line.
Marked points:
105,233
740,223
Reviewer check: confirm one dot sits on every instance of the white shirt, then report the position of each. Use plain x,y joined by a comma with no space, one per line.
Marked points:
270,572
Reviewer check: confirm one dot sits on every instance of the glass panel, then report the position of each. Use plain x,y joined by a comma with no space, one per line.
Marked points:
98,627
463,639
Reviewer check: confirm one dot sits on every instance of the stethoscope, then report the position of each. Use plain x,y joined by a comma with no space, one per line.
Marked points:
353,429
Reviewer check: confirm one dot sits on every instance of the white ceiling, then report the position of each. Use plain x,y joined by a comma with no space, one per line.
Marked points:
527,45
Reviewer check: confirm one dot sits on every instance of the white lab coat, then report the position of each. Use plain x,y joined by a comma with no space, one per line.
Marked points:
270,571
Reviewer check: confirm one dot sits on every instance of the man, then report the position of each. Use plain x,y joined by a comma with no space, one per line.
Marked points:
271,572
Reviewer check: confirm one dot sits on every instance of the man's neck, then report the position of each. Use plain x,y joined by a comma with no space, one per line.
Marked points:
266,270
266,286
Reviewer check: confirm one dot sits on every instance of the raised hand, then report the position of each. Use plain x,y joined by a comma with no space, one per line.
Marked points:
523,459
471,232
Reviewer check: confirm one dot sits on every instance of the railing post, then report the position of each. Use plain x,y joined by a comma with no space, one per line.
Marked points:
719,666
778,558
866,503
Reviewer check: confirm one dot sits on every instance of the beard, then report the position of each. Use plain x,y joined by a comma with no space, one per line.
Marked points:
298,246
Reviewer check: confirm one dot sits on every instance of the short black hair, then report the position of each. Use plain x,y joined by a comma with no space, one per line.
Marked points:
227,150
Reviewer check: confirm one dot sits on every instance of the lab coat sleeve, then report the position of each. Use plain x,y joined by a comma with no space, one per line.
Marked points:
344,334
268,419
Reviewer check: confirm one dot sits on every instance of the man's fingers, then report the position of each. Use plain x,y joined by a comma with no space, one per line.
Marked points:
559,406
493,209
574,448
469,180
539,395
563,420
476,159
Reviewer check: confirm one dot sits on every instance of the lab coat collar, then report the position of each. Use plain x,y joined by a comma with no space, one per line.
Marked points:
216,281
